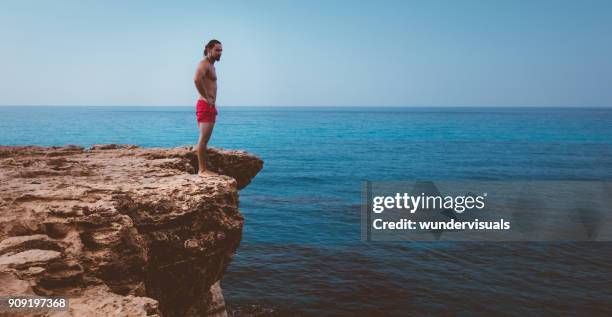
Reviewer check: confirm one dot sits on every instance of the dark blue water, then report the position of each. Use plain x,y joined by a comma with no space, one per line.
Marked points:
301,253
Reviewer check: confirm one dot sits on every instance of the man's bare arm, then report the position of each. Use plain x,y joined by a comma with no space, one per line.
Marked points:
199,80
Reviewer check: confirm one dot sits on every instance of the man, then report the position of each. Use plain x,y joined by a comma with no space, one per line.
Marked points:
206,111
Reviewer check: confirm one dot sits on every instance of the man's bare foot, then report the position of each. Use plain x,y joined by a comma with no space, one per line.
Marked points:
207,173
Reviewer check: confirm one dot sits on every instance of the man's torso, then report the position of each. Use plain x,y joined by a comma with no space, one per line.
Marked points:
210,82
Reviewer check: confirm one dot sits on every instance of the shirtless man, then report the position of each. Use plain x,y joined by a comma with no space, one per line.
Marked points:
206,111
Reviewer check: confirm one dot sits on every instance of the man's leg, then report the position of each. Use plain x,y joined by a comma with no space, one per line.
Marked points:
206,129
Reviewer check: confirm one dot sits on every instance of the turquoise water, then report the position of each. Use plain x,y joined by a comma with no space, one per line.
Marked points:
301,253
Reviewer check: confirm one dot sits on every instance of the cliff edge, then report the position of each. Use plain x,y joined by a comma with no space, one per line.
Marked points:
119,229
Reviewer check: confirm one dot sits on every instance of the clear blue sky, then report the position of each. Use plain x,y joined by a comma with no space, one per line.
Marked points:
320,53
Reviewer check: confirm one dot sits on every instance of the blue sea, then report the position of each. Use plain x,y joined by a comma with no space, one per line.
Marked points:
301,253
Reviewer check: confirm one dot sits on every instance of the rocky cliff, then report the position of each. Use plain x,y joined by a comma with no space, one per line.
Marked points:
119,229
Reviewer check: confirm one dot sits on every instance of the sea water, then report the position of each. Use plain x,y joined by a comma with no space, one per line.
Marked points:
301,253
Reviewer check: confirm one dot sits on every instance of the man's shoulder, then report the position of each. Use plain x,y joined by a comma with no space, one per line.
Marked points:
204,62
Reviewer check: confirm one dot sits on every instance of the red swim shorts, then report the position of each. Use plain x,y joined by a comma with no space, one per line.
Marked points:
205,112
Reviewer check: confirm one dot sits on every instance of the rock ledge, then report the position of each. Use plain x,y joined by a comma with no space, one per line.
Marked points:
120,229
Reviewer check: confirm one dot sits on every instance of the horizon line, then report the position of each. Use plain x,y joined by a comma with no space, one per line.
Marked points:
333,106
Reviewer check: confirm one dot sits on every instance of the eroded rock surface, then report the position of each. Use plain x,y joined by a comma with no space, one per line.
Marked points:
120,229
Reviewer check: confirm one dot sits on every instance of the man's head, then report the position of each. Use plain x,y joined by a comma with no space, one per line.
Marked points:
213,50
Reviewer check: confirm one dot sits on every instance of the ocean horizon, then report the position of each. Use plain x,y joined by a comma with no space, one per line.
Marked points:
301,252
